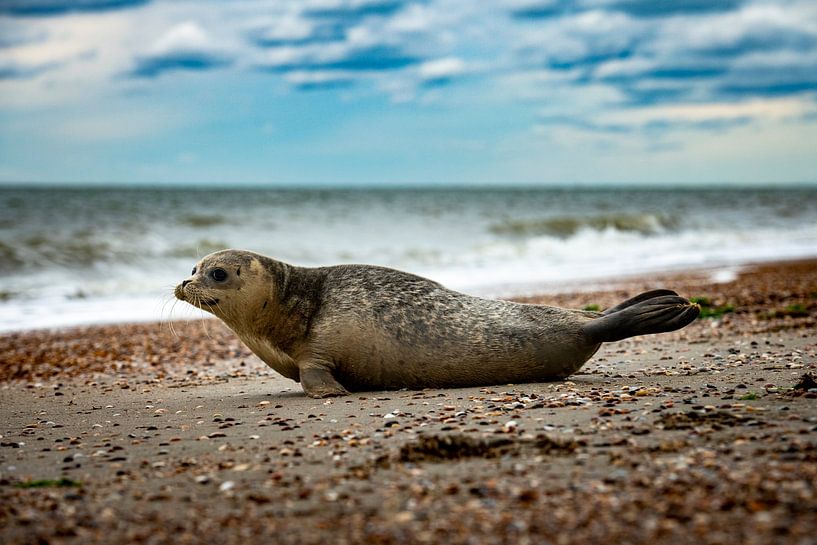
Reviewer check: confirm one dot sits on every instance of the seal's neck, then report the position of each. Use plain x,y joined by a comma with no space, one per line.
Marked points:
286,313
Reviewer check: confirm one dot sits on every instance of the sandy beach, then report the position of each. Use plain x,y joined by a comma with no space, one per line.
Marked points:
176,433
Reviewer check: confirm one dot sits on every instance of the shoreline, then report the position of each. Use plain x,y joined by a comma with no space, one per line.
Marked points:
128,433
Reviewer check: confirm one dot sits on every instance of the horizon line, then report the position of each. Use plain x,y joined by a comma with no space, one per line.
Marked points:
425,186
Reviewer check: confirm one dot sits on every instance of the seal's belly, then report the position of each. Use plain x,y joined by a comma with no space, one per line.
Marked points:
380,360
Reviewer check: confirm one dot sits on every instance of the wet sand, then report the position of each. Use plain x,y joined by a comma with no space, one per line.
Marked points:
132,434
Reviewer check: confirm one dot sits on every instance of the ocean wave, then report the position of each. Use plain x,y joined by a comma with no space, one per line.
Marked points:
71,251
197,250
10,260
202,220
564,227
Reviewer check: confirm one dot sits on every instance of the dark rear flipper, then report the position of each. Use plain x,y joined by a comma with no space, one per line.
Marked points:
638,299
651,312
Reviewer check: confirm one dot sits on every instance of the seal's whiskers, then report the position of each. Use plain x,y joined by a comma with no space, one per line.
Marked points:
169,298
203,318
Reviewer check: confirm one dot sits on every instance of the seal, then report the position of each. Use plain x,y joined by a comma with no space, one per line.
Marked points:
359,327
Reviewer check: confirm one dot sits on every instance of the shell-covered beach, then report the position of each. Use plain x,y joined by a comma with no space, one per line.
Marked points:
176,433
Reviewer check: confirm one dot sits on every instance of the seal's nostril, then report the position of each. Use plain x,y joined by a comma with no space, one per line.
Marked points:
185,282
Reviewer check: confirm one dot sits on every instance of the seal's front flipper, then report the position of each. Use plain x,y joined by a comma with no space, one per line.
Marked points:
651,314
320,383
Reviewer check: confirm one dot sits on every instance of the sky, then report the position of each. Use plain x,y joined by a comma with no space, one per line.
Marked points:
396,93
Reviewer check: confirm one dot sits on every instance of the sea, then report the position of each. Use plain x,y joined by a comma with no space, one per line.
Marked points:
73,256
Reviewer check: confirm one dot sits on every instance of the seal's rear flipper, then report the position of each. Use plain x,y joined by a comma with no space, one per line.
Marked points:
650,312
638,299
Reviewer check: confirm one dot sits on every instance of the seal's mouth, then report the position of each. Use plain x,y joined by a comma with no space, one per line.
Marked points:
193,298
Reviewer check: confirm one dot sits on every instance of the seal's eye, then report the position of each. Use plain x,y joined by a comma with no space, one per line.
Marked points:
219,275
194,271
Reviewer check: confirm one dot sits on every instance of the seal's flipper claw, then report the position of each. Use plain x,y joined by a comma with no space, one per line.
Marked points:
320,383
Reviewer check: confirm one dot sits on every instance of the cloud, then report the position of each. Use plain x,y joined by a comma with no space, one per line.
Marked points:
710,125
664,112
441,71
322,21
422,19
665,52
664,8
771,73
353,11
186,46
548,9
338,57
319,81
10,70
355,41
782,88
752,28
295,31
647,95
779,109
580,41
45,8
657,122
539,10
151,67
584,124
446,67
12,34
117,124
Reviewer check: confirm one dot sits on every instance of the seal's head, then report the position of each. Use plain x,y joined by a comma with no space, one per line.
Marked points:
224,283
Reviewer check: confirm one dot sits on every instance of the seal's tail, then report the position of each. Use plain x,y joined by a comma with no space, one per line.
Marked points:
651,312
